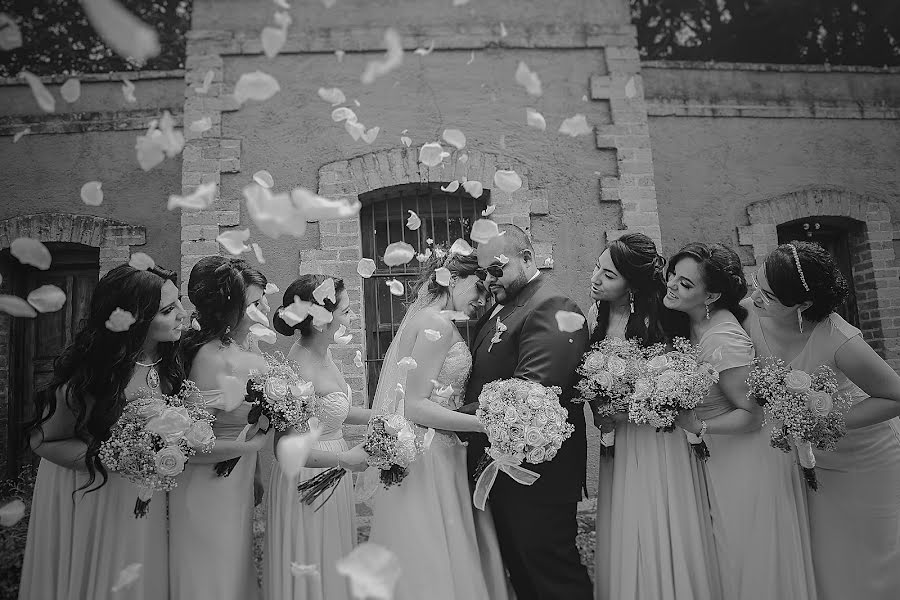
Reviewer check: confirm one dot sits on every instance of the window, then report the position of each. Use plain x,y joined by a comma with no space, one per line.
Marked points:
445,217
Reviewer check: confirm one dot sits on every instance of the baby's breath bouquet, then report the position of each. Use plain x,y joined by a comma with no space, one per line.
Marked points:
608,372
669,383
153,439
805,409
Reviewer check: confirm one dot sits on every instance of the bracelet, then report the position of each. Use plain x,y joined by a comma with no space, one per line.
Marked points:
702,428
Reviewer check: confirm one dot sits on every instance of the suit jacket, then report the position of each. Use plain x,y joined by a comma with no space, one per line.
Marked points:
532,347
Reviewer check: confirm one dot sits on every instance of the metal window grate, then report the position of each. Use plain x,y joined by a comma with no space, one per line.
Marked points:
445,217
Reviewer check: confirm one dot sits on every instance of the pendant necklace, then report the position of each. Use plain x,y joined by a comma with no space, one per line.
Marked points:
152,374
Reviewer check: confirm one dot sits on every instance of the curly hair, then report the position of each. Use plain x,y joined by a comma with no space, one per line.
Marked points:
827,286
97,366
303,288
722,274
459,265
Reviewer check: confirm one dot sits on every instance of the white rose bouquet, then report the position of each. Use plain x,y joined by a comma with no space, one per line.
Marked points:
524,423
153,439
805,408
671,382
608,372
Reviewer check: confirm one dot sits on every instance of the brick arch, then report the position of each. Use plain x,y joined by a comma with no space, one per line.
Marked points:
114,238
871,241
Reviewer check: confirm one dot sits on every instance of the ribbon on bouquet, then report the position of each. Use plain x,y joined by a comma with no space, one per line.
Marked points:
805,454
608,439
500,462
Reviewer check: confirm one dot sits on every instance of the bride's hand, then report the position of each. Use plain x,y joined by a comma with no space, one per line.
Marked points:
354,460
688,420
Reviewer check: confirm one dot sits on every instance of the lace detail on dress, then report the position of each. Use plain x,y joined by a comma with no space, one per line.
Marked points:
455,371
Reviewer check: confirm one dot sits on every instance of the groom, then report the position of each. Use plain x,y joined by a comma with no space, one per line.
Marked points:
519,337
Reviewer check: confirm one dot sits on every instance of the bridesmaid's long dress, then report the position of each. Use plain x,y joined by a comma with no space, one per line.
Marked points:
855,514
765,550
296,532
211,522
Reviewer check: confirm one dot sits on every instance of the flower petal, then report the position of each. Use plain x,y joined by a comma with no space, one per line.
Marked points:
70,90
548,262
340,55
207,81
10,35
484,230
425,51
408,363
451,187
535,119
120,320
357,360
343,114
432,335
325,290
293,449
11,513
463,158
141,261
298,570
274,214
432,154
442,276
370,135
31,252
630,88
92,194
20,134
455,138
406,141
40,92
528,79
568,321
317,208
255,86
283,4
201,125
508,181
127,577
398,253
489,210
503,32
575,126
16,307
200,199
264,178
392,59
128,91
373,571
413,222
258,252
271,288
273,39
474,188
461,247
471,56
256,315
123,32
321,316
366,267
341,337
395,286
502,259
296,311
282,18
263,333
333,95
233,240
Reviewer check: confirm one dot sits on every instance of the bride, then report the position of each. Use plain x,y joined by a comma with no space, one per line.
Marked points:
442,560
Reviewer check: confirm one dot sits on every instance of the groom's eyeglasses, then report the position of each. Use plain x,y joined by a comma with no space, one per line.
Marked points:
495,271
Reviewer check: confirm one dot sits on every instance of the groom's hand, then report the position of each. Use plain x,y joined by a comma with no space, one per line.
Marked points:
468,409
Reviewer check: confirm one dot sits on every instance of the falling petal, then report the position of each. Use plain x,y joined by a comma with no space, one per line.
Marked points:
463,158
233,240
273,39
119,320
258,252
454,315
264,178
317,208
408,363
10,36
31,252
503,32
432,335
373,571
502,259
432,154
253,312
395,286
461,247
333,95
271,288
263,333
535,119
92,194
70,90
425,51
341,337
11,513
484,230
406,141
141,261
474,188
355,129
16,307
127,577
489,210
370,135
340,55
201,125
508,181
296,312
124,33
283,4
471,58
274,214
442,276
20,134
255,86
392,59
321,316
451,187
568,321
366,267
528,79
325,291
575,126
199,199
298,570
207,81
357,360
630,88
455,138
293,449
47,298
398,253
282,18
413,222
548,262
40,92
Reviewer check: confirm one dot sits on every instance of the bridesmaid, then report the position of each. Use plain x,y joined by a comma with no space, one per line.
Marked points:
655,536
211,516
764,550
296,532
83,532
855,515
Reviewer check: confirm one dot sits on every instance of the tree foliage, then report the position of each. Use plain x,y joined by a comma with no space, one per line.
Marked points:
57,38
839,32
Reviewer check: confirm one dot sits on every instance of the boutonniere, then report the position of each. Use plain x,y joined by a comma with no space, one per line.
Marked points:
497,333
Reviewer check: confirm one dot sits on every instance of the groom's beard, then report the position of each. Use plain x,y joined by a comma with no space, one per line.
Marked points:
508,293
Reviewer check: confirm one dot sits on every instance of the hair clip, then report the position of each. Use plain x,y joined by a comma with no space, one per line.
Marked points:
799,268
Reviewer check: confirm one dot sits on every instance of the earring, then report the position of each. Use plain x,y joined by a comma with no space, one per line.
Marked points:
631,300
707,312
800,319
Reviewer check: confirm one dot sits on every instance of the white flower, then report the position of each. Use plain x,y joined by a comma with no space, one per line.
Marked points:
658,363
169,461
820,403
617,366
537,455
535,437
642,390
797,382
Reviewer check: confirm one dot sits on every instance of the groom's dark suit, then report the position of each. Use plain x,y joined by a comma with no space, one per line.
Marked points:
536,524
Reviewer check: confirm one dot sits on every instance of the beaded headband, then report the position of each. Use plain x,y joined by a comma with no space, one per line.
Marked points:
799,268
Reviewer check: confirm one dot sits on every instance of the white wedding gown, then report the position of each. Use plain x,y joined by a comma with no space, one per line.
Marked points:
447,548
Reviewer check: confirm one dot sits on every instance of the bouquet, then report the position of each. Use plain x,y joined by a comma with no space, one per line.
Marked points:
671,382
806,409
608,373
279,399
524,422
153,439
